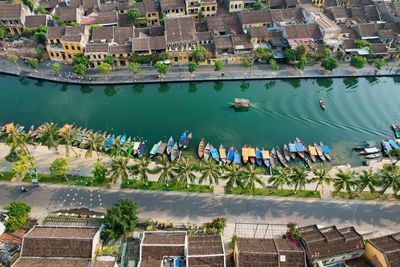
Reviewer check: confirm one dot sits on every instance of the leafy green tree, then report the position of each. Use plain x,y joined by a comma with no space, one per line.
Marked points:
80,59
23,165
12,58
119,169
301,64
2,32
210,171
390,178
263,53
258,5
345,180
104,68
281,178
33,63
40,10
298,178
395,153
290,55
94,143
162,69
274,64
135,68
18,214
358,62
49,136
200,54
367,179
192,66
37,53
67,137
301,52
134,14
141,169
329,63
200,16
59,167
79,69
233,175
17,142
360,43
120,219
219,65
56,67
379,64
326,52
247,63
321,176
251,178
40,37
28,3
184,172
99,172
165,169
109,60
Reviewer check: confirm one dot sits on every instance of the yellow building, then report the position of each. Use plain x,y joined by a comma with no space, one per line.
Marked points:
53,43
207,7
383,251
12,17
149,11
173,8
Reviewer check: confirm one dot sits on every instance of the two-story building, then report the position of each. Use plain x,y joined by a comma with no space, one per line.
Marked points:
172,8
148,10
205,7
12,17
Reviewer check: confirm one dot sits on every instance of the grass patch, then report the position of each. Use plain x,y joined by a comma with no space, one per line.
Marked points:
274,192
80,180
151,185
365,196
7,176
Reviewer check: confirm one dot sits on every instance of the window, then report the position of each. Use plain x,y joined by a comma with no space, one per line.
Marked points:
72,47
66,47
51,54
78,48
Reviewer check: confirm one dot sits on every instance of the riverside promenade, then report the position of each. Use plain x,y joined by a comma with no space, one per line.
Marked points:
180,73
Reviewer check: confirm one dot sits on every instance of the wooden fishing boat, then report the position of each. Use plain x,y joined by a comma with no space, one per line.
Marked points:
154,149
214,153
222,153
123,139
292,150
201,147
241,103
175,152
162,148
273,158
187,141
370,150
245,154
207,151
320,152
366,144
136,146
130,149
266,158
259,157
393,144
326,150
252,154
231,155
322,103
396,129
386,147
141,149
237,159
170,144
281,158
307,160
300,147
286,152
31,130
182,139
374,156
313,153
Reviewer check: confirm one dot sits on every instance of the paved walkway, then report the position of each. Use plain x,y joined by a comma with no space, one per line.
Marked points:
179,73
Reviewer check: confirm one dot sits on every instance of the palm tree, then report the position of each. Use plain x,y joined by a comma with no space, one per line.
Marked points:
116,150
233,174
49,136
367,179
119,169
210,171
345,180
17,141
67,138
390,177
94,143
251,178
321,176
165,168
184,172
298,178
281,178
141,168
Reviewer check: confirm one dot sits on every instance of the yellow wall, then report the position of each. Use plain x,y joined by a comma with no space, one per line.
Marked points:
72,48
372,255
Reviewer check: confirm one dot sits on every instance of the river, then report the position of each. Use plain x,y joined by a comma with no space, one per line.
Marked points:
357,109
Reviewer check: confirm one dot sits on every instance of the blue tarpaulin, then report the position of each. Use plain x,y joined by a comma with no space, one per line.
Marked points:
393,144
292,148
300,148
230,155
258,154
326,149
387,146
214,153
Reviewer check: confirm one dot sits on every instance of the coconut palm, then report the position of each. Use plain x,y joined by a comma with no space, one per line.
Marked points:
116,148
165,168
390,178
184,172
233,175
94,142
141,169
209,170
251,178
298,177
17,141
321,176
119,169
367,179
281,178
67,138
345,180
49,136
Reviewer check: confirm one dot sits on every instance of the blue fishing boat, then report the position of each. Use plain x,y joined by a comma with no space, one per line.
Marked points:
123,139
231,155
393,144
326,151
259,157
154,149
182,140
237,158
141,149
214,153
170,144
108,143
386,147
292,150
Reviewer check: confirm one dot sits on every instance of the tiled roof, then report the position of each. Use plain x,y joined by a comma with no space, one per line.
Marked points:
157,43
241,41
287,14
205,245
62,232
102,33
55,32
146,6
66,13
180,30
257,252
227,23
204,36
141,44
214,261
10,11
172,4
96,48
390,246
386,34
104,18
359,262
367,30
107,7
338,12
48,4
122,34
43,262
371,13
34,21
123,20
276,38
121,49
256,17
223,42
303,31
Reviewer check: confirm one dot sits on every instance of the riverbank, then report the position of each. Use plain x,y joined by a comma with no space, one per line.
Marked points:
179,73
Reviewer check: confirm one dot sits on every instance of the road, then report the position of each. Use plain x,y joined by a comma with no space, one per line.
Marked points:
184,207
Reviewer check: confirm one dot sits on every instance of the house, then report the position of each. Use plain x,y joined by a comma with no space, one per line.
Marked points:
224,25
207,7
172,8
59,246
275,252
383,251
235,6
53,43
286,16
180,38
255,19
12,17
330,245
258,35
48,5
338,13
178,249
301,34
148,10
69,14
367,31
34,21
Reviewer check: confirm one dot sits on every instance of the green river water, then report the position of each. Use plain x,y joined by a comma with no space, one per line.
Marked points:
357,109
